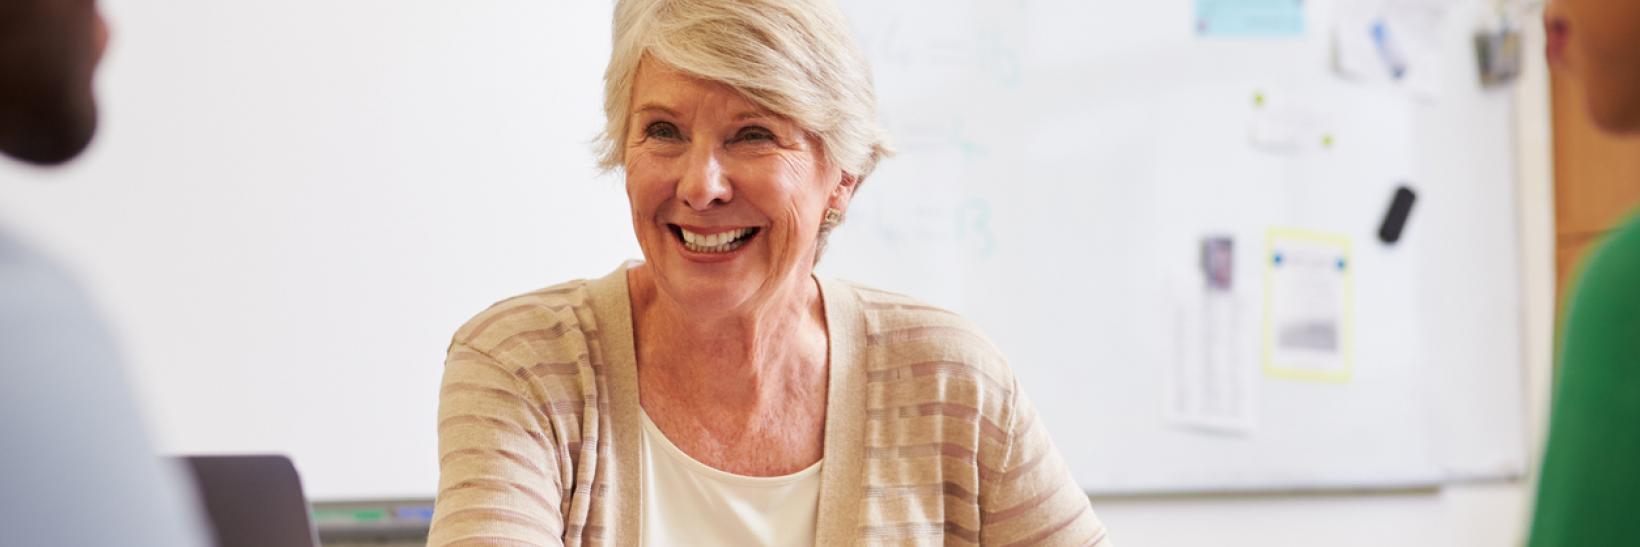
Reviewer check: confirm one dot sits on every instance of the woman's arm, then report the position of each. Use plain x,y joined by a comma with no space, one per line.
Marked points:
498,468
1027,495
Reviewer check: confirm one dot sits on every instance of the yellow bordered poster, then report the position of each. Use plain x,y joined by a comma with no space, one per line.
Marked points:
1308,306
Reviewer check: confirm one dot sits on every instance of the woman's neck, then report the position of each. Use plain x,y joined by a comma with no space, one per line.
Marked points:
749,357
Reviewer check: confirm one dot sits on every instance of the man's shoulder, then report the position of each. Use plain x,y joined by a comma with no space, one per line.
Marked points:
64,400
42,307
27,273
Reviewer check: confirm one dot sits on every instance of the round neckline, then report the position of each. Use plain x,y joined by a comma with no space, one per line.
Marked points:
719,474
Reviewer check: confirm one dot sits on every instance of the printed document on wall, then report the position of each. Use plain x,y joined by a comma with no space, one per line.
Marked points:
1308,309
1210,386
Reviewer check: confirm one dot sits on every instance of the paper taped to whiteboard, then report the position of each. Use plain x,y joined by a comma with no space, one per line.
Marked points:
1210,388
1307,306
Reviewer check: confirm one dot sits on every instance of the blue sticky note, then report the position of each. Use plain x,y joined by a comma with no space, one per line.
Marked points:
1250,18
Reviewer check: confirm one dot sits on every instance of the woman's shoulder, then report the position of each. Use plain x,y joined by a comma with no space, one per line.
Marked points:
535,321
913,339
1616,262
1605,293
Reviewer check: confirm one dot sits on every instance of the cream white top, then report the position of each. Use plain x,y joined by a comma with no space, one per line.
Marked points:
686,502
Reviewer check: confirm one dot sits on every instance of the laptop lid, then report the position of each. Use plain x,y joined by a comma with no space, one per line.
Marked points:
253,501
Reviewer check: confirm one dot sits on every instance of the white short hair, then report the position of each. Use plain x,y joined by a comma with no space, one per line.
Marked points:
794,58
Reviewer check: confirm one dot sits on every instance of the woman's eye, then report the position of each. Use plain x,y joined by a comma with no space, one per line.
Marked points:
661,130
754,134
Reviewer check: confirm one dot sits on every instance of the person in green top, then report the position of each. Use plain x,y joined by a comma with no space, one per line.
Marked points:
1589,494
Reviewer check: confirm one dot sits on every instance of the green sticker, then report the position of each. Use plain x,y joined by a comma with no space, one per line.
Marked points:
350,515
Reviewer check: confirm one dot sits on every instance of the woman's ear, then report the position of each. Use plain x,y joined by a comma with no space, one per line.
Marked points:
843,192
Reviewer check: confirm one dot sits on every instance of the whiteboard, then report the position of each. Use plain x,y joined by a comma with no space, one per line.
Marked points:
293,204
1066,158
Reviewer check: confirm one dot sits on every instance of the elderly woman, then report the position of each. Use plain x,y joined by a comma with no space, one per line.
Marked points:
719,393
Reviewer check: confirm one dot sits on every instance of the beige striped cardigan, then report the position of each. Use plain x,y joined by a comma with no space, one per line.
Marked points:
928,437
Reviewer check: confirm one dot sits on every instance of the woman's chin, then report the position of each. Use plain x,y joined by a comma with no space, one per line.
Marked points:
700,288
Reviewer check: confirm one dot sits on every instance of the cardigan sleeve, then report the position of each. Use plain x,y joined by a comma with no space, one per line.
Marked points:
499,478
1030,498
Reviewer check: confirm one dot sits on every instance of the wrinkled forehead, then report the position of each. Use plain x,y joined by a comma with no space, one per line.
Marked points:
658,86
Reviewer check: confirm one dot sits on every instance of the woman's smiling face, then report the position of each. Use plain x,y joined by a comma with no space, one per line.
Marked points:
727,198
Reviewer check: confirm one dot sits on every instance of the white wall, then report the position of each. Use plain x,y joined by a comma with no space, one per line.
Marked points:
292,205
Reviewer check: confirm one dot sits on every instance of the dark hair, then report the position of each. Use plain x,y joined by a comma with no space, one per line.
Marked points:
48,52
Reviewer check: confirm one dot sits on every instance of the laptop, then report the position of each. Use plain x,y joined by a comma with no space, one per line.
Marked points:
253,501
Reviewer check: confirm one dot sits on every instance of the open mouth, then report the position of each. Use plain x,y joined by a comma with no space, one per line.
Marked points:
721,242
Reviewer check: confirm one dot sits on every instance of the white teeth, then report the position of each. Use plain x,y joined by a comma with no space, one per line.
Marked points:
714,243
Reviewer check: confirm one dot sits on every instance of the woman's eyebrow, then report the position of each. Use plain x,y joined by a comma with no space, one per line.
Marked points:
655,107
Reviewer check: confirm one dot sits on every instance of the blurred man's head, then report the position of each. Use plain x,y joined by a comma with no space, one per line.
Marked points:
1598,42
48,51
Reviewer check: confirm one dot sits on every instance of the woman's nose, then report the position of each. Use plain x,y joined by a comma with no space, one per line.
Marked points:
704,185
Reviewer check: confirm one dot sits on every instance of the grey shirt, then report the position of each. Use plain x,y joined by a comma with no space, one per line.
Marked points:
76,468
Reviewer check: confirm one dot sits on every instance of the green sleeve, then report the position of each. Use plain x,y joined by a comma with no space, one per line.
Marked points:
1589,494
